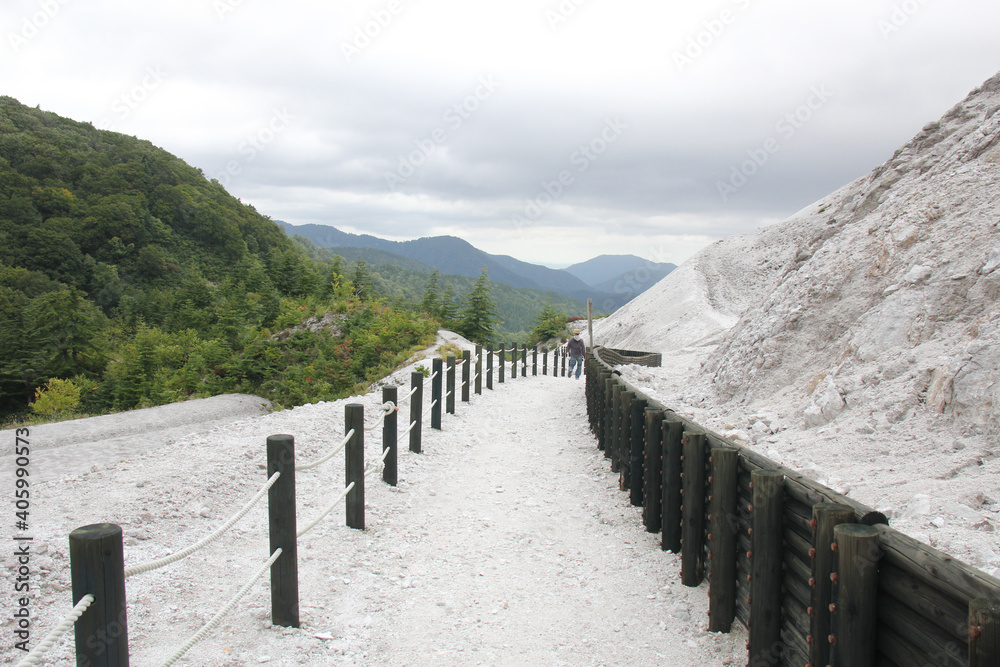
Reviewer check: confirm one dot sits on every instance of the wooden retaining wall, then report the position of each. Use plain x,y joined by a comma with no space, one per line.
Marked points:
817,578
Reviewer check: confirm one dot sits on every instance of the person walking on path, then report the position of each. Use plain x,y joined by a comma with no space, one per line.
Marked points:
577,349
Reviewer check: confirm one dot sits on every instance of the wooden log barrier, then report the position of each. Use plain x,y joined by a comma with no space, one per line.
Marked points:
984,633
722,534
354,416
652,497
693,510
389,433
416,410
855,621
283,531
673,453
766,566
825,517
607,414
637,448
437,373
449,399
97,567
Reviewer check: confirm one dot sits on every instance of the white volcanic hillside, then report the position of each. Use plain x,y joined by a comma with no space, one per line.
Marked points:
860,338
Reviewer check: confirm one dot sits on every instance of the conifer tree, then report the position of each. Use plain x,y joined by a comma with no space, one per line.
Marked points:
447,307
479,318
432,295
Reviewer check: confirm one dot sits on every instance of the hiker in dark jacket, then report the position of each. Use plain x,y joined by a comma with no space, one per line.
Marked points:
577,349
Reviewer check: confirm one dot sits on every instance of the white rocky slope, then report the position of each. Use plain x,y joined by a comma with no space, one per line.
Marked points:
860,339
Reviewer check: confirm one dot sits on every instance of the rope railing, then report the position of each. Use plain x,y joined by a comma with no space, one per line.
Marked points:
205,629
378,467
339,448
386,409
312,524
184,553
54,635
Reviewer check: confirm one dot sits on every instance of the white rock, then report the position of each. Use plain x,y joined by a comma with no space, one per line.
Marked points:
918,274
919,505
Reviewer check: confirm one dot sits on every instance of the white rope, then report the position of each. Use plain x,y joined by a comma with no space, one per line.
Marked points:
196,637
387,408
312,524
337,450
429,408
433,375
167,560
412,392
57,632
378,467
410,427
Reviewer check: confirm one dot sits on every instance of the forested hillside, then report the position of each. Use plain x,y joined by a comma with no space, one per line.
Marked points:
125,271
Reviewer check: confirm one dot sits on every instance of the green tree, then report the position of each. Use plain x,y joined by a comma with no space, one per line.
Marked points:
432,295
363,285
479,317
447,310
549,324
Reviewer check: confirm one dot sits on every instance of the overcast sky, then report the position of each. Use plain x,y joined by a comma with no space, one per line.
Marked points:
553,131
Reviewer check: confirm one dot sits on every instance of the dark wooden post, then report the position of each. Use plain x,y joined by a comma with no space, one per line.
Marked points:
450,386
416,410
693,511
722,534
562,363
637,448
545,362
489,367
479,370
652,498
609,415
283,531
97,567
825,517
625,439
437,381
616,420
502,362
673,453
389,431
984,633
534,361
466,374
766,566
354,418
513,360
524,360
855,619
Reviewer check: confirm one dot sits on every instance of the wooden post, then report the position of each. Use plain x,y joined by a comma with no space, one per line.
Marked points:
562,363
984,633
652,497
534,362
97,567
673,451
479,370
283,531
616,419
354,418
825,517
450,386
437,372
489,367
389,431
416,410
602,413
693,511
766,566
502,361
545,362
625,439
722,534
855,619
637,447
466,374
524,360
609,415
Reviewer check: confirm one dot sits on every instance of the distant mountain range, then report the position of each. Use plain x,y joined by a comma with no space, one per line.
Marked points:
611,280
